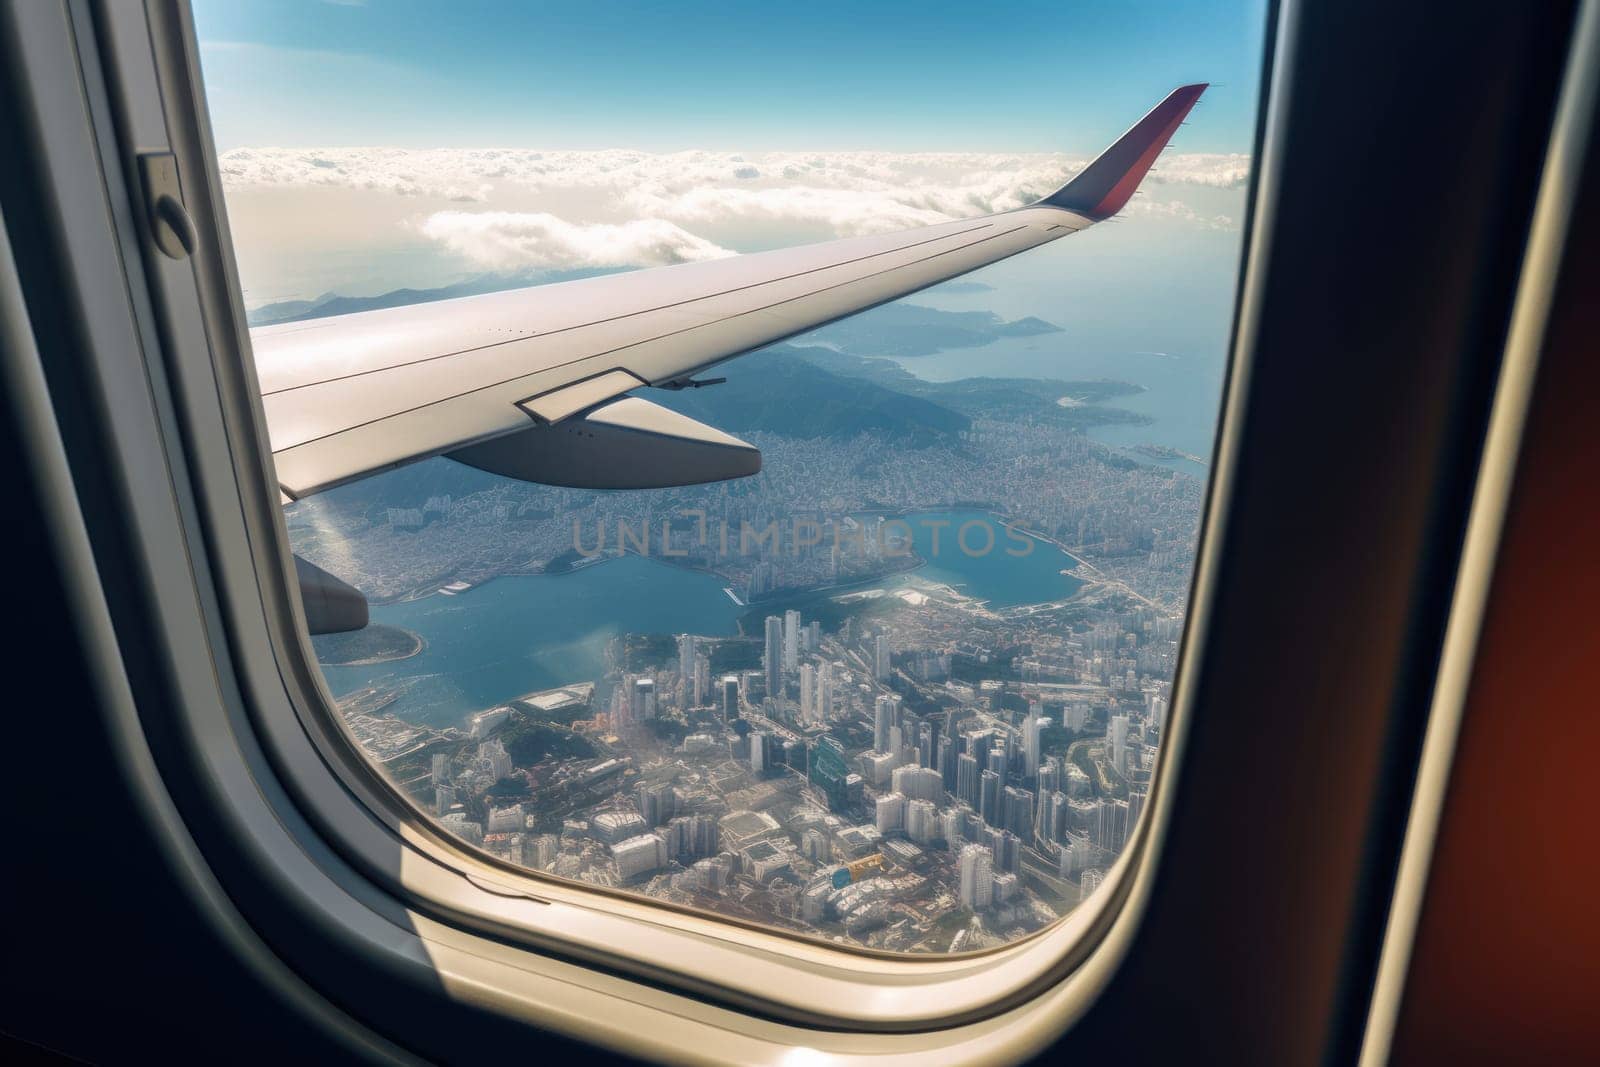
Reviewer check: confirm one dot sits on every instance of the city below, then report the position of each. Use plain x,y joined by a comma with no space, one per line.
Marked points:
924,774
901,690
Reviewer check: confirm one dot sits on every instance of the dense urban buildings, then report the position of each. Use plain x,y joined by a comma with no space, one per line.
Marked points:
884,755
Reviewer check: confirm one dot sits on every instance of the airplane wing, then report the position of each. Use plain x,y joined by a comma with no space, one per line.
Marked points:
532,383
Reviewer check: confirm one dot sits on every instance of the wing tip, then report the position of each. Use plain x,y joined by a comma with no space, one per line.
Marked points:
1104,187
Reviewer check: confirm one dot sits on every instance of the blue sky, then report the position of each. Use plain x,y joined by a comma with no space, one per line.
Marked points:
1024,76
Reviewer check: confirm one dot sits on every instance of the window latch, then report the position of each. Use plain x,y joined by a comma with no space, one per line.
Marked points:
169,220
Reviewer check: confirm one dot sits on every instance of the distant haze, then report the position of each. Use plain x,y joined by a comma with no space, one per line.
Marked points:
358,221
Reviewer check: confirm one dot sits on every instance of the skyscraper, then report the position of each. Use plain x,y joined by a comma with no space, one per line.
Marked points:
702,680
977,877
945,762
922,822
918,783
967,779
1119,743
1032,742
881,657
829,771
808,691
791,640
1049,776
989,798
774,656
1018,811
730,697
1007,850
1074,716
883,720
644,700
687,650
950,827
823,705
891,812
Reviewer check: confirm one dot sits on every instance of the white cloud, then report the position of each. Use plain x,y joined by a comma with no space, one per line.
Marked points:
504,240
959,181
1218,171
540,209
1176,209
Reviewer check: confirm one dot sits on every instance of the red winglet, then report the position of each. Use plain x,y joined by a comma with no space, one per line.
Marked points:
1102,188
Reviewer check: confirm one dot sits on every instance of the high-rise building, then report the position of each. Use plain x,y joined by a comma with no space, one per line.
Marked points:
702,680
926,733
658,802
691,836
1017,811
791,640
1075,850
444,798
688,648
891,812
989,798
622,704
823,705
814,845
1075,716
774,656
758,751
944,761
1049,776
918,783
1119,743
505,820
1055,823
967,779
951,823
493,759
922,821
813,636
808,692
730,697
1006,886
1136,803
883,721
879,766
829,772
977,877
1118,824
440,768
644,700
882,657
1007,849
639,855
997,762
1033,742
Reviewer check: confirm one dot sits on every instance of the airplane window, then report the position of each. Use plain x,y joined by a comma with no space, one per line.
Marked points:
728,458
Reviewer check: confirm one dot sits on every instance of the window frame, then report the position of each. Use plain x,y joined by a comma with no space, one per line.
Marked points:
212,781
366,819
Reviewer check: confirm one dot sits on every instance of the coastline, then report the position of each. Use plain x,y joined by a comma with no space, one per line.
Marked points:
437,585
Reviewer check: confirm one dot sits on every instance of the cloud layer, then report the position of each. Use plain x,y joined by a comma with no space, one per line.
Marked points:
617,208
509,240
